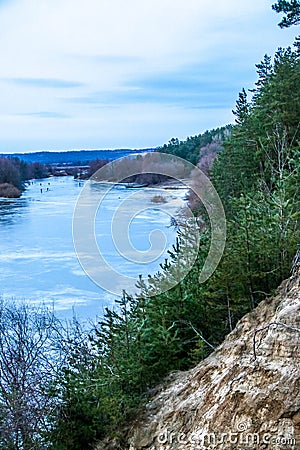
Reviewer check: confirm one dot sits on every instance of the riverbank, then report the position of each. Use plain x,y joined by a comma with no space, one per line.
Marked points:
172,184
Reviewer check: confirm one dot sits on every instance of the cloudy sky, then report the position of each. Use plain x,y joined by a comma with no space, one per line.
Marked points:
126,74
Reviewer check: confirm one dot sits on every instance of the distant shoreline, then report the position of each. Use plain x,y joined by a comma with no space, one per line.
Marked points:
74,156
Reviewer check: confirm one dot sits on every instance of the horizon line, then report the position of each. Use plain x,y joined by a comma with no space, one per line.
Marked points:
79,150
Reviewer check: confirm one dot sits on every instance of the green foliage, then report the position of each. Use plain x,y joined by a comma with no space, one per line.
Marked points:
264,141
191,147
292,11
257,177
133,347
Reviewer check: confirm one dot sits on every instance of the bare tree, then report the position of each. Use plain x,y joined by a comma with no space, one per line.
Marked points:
30,354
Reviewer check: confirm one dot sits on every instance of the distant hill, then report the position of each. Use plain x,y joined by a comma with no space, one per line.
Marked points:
74,157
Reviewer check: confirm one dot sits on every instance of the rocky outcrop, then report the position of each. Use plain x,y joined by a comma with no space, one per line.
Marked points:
245,395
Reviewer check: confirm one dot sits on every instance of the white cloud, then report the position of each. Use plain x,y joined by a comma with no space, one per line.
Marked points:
56,50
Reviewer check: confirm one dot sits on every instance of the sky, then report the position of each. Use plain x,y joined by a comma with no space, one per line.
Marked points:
126,74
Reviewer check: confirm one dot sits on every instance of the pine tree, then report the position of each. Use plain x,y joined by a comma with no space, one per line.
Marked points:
291,9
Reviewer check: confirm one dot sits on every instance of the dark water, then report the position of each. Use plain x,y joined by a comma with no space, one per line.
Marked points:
37,258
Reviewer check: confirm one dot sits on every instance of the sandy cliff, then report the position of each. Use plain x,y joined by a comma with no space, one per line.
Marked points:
243,396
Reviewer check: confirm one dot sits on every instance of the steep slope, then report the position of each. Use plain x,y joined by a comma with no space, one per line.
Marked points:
243,396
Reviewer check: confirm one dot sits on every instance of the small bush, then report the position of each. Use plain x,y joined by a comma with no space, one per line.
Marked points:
7,190
158,199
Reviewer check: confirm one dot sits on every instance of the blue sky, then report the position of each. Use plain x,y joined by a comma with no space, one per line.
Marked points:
126,74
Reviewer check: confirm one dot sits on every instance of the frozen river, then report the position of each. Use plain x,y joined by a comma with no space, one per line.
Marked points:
37,257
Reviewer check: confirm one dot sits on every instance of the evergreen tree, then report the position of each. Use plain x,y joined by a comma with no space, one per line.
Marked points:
291,9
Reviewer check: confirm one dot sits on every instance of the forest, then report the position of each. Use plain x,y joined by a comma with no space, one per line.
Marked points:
67,386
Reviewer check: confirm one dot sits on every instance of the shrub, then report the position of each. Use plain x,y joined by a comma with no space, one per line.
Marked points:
7,190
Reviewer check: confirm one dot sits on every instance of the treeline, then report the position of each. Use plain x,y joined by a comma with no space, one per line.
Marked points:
208,142
75,157
15,172
201,149
92,167
89,385
147,169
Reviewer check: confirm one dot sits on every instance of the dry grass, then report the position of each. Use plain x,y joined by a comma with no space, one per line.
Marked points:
7,190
